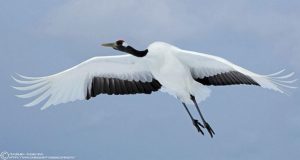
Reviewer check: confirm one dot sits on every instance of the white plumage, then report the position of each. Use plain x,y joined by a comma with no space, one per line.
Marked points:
168,64
180,72
71,84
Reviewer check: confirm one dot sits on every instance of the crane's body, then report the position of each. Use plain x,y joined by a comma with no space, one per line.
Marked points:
171,72
184,74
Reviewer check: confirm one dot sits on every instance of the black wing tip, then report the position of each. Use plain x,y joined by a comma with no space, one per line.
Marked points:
115,86
227,78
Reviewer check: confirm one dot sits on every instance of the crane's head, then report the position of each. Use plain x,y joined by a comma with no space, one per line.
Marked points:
122,46
118,45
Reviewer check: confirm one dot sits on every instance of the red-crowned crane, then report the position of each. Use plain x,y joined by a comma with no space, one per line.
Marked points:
184,74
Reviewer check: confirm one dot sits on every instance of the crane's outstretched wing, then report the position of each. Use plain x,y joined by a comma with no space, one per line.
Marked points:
117,75
213,70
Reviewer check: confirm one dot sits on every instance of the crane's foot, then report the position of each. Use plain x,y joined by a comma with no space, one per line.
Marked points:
197,124
209,129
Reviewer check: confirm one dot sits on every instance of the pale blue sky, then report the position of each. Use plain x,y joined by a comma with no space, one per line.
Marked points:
39,38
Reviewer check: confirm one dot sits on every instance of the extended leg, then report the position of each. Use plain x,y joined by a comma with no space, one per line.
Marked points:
196,123
206,125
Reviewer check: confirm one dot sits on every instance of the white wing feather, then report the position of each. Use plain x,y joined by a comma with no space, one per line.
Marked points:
204,65
71,84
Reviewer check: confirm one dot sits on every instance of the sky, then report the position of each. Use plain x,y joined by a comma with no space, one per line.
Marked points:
39,38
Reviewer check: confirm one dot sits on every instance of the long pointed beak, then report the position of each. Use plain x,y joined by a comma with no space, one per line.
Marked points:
108,44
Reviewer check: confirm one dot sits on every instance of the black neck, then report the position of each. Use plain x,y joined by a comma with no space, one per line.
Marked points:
133,51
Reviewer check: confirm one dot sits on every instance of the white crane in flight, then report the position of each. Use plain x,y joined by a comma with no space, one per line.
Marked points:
184,74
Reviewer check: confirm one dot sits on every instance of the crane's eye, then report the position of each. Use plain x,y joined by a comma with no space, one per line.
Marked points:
119,42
